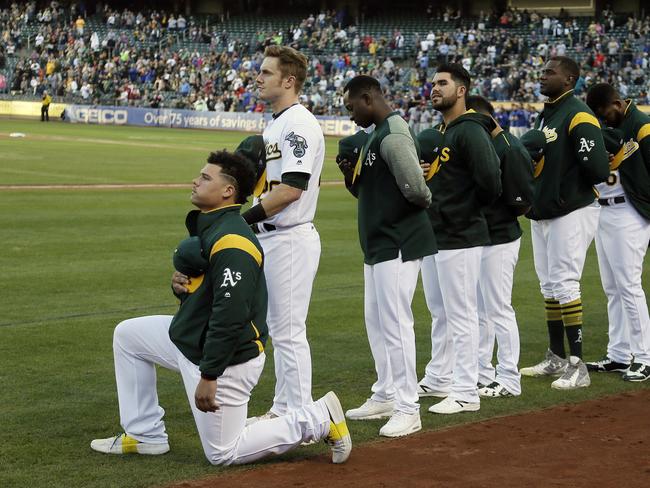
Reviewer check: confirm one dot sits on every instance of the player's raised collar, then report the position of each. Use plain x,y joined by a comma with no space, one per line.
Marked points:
275,116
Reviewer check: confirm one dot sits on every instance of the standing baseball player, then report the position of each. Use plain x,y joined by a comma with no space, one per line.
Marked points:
216,340
623,234
496,315
565,216
395,235
282,215
463,178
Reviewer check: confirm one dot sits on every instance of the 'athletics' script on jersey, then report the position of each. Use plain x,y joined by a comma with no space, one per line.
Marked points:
550,133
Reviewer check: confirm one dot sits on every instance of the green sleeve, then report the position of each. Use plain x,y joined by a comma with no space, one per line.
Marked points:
234,273
589,150
483,163
517,175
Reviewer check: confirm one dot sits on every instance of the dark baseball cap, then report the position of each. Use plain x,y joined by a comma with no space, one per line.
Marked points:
188,258
254,149
351,146
431,142
535,143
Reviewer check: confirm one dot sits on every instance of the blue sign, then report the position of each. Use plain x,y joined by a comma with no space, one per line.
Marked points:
191,119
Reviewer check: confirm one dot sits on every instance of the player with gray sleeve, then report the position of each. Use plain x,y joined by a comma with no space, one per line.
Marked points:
623,233
282,215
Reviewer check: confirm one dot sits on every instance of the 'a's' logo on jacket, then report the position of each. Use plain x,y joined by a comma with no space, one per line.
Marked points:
550,133
370,158
298,143
230,278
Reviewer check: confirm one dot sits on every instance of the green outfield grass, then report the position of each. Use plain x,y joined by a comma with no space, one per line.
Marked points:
76,262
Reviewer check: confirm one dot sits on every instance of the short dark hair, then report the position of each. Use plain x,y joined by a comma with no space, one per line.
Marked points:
457,72
480,104
601,95
569,66
240,169
360,84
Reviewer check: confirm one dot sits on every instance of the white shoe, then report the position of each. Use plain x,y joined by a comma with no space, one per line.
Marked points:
552,365
494,390
426,391
401,424
267,416
576,376
371,409
338,437
449,406
124,444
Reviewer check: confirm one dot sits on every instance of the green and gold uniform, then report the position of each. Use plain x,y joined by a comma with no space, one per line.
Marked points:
222,320
464,177
574,158
392,196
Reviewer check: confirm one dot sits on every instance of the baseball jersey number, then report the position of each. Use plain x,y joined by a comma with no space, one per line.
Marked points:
612,179
268,186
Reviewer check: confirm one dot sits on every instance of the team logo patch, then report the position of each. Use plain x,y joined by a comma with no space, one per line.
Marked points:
298,143
586,145
370,158
550,133
230,278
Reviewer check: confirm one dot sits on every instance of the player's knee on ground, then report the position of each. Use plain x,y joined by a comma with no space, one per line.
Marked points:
220,456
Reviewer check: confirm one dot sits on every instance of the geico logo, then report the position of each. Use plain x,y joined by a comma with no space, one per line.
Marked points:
334,127
102,116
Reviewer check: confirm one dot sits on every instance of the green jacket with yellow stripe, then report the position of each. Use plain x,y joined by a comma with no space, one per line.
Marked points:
464,177
574,159
634,159
221,321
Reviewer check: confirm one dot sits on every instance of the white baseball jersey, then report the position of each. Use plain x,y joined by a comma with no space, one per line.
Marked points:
294,144
611,187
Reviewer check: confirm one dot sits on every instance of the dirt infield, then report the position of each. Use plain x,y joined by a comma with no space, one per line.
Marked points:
598,443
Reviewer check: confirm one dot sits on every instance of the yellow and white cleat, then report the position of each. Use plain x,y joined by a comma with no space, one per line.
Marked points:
124,444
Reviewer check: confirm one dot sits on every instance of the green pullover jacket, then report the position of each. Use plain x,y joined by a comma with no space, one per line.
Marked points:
221,321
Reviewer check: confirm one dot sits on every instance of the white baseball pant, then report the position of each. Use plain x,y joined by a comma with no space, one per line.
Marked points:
621,243
139,344
560,249
458,273
497,317
439,369
291,255
388,292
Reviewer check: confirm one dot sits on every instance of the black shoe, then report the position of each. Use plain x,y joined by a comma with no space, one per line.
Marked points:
606,365
638,372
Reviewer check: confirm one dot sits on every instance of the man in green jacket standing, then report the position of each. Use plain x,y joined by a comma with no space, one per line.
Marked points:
395,235
496,315
623,234
463,178
216,340
565,216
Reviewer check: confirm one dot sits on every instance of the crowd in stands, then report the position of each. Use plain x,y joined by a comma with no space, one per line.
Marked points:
158,59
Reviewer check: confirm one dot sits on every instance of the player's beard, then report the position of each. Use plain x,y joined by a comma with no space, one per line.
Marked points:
445,103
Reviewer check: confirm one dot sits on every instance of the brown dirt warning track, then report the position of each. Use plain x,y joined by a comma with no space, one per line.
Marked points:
597,443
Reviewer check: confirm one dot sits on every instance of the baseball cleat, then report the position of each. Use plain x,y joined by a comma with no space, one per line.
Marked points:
552,365
371,409
450,406
401,424
124,444
575,376
638,372
494,390
607,365
427,391
338,437
267,416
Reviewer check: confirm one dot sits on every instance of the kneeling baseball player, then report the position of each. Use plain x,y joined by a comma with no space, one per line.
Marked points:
215,341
